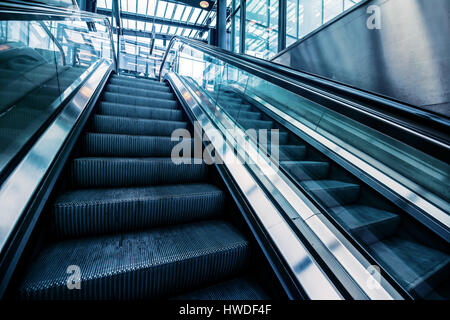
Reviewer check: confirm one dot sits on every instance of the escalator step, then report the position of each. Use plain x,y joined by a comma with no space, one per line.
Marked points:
98,211
367,223
235,289
281,138
332,192
136,80
133,126
229,99
139,92
236,107
418,268
149,264
237,114
127,172
307,170
161,86
291,152
125,110
285,152
256,124
139,101
105,144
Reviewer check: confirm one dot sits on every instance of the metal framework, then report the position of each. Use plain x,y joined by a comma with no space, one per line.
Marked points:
162,21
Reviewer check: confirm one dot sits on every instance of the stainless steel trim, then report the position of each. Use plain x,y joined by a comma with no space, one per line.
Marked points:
440,221
312,278
18,189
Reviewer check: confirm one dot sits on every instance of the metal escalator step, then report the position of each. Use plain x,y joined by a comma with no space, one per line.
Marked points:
98,211
161,86
307,170
133,126
367,223
229,99
236,107
127,172
148,93
116,145
418,268
139,101
285,152
238,114
125,110
137,80
148,264
256,124
333,192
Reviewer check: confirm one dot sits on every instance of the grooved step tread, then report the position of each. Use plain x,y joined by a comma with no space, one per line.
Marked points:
108,144
125,172
135,126
148,264
417,267
96,211
124,110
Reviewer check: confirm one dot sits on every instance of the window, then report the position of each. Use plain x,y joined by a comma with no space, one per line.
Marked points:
261,32
305,16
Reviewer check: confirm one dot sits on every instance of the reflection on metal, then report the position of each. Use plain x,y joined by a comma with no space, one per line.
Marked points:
432,216
18,189
407,59
310,276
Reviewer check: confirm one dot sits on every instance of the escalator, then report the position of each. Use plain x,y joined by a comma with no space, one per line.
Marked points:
110,211
416,258
136,224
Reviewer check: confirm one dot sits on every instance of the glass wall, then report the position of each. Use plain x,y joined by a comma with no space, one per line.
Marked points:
236,26
302,18
261,30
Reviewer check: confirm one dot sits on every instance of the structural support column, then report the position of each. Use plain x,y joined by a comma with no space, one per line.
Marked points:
116,14
282,14
242,26
87,5
221,26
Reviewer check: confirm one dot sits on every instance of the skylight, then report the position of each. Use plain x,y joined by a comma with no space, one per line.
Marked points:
169,14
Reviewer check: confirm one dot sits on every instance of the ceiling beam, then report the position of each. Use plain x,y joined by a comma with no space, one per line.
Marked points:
193,3
145,34
163,21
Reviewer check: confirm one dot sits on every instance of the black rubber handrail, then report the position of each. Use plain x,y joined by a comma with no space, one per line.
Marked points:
422,130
